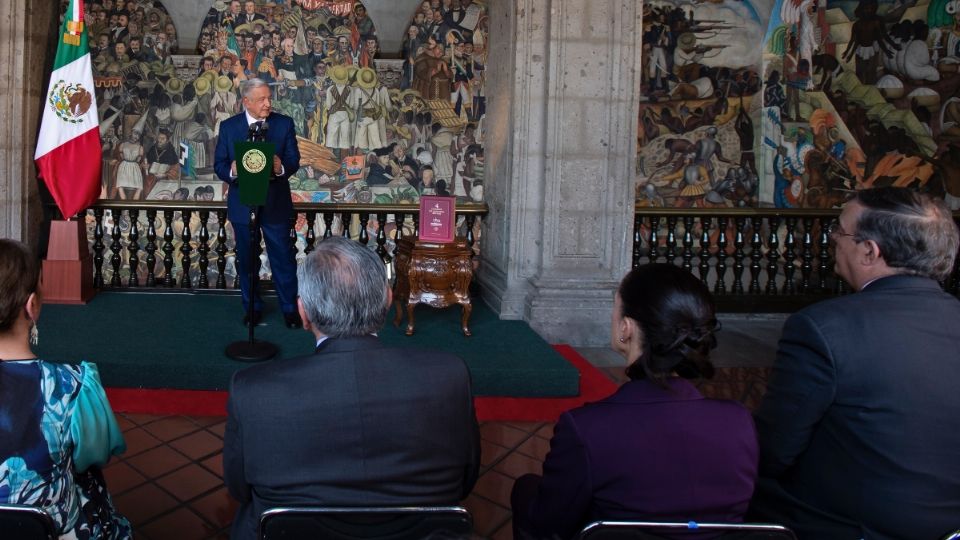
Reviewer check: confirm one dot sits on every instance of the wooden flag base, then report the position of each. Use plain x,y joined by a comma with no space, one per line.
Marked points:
68,268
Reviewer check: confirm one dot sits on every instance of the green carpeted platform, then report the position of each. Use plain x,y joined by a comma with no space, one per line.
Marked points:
175,340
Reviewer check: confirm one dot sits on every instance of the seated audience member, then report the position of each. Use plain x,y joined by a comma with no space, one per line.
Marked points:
356,423
856,430
56,426
656,449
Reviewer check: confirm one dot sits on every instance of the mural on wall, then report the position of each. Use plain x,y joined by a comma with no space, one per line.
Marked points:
842,95
860,94
700,106
370,130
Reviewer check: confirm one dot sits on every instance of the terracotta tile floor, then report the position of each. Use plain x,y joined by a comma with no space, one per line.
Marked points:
169,483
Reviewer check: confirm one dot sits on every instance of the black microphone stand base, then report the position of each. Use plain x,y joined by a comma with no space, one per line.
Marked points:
251,351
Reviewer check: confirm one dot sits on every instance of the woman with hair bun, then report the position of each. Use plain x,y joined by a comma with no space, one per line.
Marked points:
655,450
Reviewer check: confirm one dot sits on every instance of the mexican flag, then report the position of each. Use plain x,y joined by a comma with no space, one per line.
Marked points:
68,149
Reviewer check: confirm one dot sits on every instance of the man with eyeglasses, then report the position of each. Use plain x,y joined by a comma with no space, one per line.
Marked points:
858,429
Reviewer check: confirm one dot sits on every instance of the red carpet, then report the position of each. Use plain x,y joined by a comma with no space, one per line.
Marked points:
594,385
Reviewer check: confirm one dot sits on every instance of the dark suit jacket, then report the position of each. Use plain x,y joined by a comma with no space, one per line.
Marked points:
860,417
279,207
355,424
646,453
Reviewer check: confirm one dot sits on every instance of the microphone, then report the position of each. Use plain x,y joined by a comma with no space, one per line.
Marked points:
263,130
253,132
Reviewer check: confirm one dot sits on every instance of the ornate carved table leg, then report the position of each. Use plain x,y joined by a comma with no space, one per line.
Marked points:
410,322
398,306
465,319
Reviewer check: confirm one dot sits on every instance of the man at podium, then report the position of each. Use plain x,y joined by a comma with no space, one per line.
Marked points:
258,122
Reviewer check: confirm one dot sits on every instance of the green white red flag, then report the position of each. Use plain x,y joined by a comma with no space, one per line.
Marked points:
68,148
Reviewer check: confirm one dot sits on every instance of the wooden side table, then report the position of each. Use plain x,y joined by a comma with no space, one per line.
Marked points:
435,274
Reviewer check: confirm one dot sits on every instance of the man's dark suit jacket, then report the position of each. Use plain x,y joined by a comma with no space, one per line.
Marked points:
355,424
858,430
643,453
279,207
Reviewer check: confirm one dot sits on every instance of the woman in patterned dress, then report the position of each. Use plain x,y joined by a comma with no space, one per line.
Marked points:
56,426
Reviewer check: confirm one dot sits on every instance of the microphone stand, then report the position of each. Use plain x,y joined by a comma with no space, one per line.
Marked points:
252,350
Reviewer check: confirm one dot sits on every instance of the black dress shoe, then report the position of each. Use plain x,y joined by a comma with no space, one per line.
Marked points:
292,320
257,315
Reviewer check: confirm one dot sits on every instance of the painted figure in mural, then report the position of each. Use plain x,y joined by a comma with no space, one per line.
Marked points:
441,142
657,39
410,47
797,80
461,94
431,73
249,14
129,182
161,157
773,93
708,148
373,105
341,105
802,14
868,40
744,128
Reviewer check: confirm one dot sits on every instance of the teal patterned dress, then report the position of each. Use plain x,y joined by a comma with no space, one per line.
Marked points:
56,431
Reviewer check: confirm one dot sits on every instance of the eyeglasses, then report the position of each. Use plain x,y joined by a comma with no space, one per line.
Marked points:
835,229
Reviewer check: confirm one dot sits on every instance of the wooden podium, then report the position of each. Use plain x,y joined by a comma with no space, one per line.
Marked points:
435,274
68,269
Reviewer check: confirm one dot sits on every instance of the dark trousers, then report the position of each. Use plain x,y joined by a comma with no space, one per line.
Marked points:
283,263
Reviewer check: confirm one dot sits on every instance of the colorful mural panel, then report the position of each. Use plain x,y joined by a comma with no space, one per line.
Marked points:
407,126
699,112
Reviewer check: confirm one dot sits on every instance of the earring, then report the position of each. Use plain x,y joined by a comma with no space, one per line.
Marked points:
34,333
622,340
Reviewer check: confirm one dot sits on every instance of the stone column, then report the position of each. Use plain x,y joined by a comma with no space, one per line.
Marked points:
26,30
560,141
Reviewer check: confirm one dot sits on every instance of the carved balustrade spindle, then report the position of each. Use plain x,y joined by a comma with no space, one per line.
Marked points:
653,254
221,249
704,254
416,224
671,239
720,287
311,238
637,239
471,238
133,248
806,253
151,247
825,268
364,237
756,254
327,225
773,254
382,238
185,249
687,243
789,255
168,248
203,250
98,248
738,254
116,248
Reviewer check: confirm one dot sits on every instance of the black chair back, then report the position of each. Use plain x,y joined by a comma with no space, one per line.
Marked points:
381,523
654,530
18,522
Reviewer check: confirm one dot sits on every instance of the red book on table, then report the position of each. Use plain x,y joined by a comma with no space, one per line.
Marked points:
437,218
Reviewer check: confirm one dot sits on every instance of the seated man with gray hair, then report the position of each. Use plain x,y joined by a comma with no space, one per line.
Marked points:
857,430
356,423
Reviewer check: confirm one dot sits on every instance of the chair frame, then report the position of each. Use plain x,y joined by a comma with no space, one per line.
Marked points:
35,513
286,510
668,527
